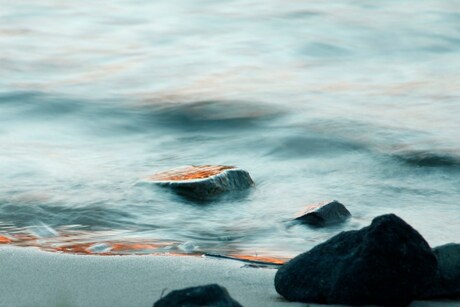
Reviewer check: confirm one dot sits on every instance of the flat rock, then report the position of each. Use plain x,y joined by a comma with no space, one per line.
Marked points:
204,181
448,282
387,263
324,214
207,295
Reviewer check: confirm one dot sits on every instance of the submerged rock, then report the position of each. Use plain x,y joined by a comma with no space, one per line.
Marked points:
387,263
207,295
448,282
324,214
205,181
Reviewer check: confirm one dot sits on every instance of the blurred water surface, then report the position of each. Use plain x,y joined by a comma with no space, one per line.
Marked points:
318,100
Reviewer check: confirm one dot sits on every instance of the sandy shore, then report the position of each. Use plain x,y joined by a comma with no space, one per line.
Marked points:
29,277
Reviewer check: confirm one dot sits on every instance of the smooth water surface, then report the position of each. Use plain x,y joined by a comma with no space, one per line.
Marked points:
318,100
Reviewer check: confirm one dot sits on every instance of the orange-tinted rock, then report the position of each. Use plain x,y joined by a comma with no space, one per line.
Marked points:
203,182
191,172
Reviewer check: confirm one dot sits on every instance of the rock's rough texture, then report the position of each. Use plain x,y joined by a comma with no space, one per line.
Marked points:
387,263
205,181
207,295
324,214
448,281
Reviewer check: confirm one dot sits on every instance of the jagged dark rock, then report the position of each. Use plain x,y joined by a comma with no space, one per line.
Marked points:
203,182
208,295
387,263
324,214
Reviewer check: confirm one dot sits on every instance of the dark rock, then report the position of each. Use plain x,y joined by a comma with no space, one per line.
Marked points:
205,181
207,295
447,284
448,256
387,263
324,214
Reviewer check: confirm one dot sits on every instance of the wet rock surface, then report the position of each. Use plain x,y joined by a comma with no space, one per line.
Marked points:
387,263
324,214
207,295
205,181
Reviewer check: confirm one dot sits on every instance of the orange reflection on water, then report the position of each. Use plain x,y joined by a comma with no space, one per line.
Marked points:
81,248
109,248
67,242
4,240
259,259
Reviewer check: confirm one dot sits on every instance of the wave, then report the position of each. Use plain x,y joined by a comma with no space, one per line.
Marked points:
93,216
304,146
427,158
223,114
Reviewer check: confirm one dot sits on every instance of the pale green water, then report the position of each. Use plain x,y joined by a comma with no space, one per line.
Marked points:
318,100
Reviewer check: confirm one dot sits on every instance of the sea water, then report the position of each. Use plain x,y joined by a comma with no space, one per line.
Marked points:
318,100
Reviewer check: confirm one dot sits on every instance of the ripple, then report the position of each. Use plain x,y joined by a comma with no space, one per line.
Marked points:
428,158
203,115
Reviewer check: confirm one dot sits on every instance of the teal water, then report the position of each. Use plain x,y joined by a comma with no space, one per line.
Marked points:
318,100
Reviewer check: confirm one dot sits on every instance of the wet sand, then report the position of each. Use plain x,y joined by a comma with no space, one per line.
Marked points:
30,277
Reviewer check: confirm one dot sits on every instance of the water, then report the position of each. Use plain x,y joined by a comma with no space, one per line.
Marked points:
318,100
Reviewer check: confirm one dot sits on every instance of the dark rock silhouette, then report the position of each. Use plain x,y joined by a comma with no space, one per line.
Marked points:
208,295
387,263
324,214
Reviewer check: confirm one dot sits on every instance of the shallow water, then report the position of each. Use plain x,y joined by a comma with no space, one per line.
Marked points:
318,100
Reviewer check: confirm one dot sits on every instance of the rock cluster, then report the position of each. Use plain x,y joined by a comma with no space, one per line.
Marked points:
387,263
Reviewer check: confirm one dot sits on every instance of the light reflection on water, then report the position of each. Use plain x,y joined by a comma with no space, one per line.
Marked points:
317,100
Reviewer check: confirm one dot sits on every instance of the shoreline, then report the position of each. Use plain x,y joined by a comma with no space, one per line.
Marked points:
32,277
